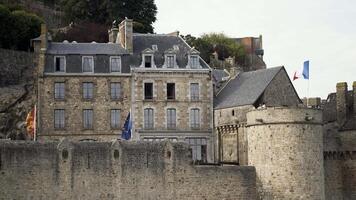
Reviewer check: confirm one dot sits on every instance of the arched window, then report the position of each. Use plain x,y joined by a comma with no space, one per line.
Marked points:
171,118
194,118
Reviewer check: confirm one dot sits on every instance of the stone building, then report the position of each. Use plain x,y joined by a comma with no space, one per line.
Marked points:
241,93
86,90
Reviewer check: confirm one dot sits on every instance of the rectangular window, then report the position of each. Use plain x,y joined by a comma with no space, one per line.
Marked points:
170,61
148,61
171,118
59,118
59,64
195,118
115,64
88,90
115,91
59,90
194,91
115,118
194,62
171,91
88,118
88,64
148,118
148,90
199,148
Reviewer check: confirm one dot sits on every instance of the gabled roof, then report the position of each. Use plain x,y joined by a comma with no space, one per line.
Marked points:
86,48
219,74
164,42
246,88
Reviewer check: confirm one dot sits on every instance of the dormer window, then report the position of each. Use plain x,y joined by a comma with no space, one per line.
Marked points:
148,61
88,64
115,64
170,58
148,58
170,61
59,63
194,62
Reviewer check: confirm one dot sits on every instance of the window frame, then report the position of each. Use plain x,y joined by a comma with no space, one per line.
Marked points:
174,61
170,98
196,144
55,89
150,123
59,125
115,126
119,95
144,91
92,92
55,63
170,121
197,122
197,66
93,67
195,97
91,127
120,64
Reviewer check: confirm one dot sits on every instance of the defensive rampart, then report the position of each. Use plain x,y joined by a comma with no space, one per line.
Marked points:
117,170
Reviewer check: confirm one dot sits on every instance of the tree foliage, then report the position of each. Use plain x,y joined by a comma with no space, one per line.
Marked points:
17,28
207,44
143,12
79,33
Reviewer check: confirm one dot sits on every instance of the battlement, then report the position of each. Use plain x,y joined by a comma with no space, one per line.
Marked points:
116,170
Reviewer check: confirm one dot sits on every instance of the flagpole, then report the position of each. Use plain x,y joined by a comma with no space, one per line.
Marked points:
308,93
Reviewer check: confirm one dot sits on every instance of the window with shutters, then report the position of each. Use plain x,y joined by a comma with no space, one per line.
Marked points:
199,149
194,91
59,91
194,118
88,88
115,118
88,119
171,118
115,91
88,63
148,118
115,64
59,119
59,63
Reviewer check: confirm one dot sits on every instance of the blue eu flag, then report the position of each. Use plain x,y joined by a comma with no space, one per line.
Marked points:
126,131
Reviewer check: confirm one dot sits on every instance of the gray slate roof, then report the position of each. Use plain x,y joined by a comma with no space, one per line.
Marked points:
86,49
164,43
245,89
219,74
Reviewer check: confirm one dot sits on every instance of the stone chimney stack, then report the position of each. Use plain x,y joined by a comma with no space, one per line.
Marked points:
113,32
44,37
354,95
341,102
125,34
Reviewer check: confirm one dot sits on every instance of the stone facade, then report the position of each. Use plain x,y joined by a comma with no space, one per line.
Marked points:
182,104
117,170
73,105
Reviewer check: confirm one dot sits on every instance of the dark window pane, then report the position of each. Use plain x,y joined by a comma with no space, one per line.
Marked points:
148,90
171,91
148,61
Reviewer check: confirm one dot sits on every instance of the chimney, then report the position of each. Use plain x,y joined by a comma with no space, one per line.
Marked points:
125,34
234,71
341,102
113,32
354,95
44,37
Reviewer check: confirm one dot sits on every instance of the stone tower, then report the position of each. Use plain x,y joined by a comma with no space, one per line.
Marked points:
286,147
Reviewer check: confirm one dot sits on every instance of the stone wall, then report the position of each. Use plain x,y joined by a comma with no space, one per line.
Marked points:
73,104
117,170
285,145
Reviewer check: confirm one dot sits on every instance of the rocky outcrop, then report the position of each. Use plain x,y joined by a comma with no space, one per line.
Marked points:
17,95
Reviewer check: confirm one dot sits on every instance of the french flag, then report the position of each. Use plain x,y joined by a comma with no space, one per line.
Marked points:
304,73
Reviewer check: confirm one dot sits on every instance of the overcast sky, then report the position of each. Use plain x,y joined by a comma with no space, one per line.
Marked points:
322,31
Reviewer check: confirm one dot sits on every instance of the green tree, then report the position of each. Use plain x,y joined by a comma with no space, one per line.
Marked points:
216,42
143,12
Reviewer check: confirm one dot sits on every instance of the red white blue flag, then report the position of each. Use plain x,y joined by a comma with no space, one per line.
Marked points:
303,73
